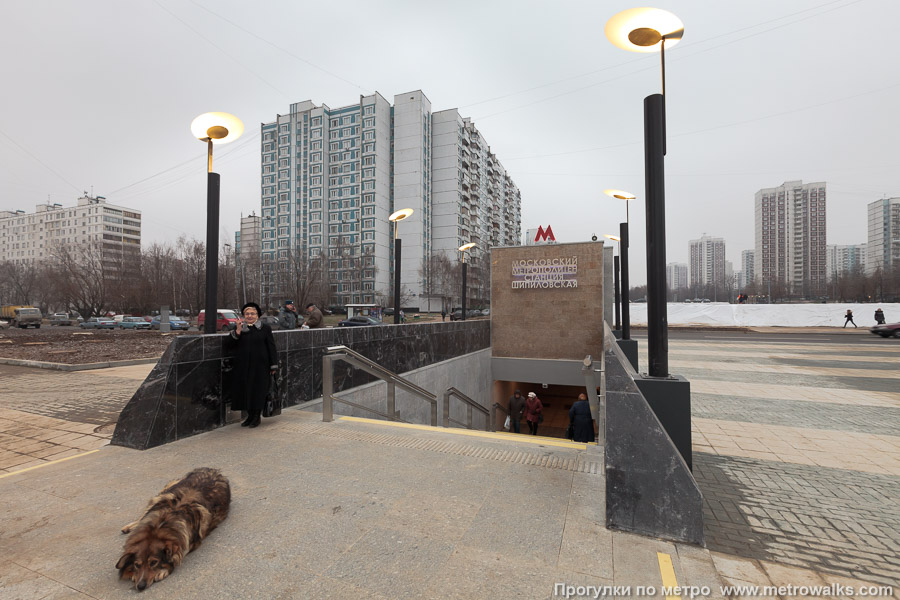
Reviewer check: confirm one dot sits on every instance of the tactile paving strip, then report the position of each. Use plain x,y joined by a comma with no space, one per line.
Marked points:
576,464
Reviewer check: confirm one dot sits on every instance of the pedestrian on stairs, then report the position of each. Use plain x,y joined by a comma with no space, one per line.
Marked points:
516,408
534,412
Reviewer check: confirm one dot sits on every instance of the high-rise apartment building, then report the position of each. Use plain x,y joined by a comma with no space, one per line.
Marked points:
677,276
883,248
844,259
748,268
331,177
247,240
707,262
115,231
790,239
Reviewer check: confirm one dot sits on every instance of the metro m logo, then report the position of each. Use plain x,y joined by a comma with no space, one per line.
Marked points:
544,234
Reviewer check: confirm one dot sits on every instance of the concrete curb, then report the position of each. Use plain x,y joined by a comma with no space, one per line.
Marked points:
83,367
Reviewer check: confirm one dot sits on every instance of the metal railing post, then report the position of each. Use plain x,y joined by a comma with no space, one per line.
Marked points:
446,422
391,400
328,389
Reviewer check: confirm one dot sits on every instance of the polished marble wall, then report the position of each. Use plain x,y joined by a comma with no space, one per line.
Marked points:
188,391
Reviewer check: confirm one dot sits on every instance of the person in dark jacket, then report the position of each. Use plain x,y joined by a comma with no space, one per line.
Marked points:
848,318
255,361
314,317
581,420
516,408
287,317
533,412
879,317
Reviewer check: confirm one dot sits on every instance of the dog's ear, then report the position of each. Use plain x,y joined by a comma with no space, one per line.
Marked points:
172,548
125,562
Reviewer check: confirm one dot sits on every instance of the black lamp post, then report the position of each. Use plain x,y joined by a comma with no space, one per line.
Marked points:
463,250
648,30
395,218
213,128
620,265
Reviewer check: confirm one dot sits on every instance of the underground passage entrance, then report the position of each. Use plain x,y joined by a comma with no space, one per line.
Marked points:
556,399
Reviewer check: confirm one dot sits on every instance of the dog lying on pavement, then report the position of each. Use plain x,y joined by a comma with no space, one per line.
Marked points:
174,524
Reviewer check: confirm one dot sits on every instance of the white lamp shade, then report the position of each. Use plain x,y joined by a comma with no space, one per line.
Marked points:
620,194
614,238
668,25
231,127
468,246
400,214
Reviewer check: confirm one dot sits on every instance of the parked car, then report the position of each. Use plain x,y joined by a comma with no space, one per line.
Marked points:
359,321
337,310
134,323
456,315
227,320
98,323
887,330
62,319
272,321
175,323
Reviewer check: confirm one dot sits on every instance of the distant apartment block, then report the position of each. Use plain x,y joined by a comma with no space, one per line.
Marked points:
790,238
331,177
844,259
677,276
707,262
247,240
748,268
32,237
883,248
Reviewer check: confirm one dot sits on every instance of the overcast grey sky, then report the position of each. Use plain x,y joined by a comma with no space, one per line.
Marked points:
100,94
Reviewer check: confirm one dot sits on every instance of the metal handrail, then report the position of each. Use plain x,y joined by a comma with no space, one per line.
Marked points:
494,413
335,353
470,404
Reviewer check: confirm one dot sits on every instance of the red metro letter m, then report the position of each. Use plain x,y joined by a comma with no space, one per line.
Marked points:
544,234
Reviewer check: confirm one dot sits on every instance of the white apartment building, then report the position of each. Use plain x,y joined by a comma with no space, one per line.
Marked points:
883,248
32,237
790,238
331,177
748,268
844,259
247,240
707,262
677,276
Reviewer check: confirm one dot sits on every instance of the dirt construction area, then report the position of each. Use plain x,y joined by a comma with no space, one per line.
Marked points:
75,346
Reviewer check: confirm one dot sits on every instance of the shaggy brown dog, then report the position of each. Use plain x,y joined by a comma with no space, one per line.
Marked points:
175,522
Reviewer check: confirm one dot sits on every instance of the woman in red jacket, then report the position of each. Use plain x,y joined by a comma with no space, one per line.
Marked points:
533,412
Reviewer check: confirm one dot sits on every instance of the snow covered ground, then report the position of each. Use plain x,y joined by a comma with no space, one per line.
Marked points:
764,315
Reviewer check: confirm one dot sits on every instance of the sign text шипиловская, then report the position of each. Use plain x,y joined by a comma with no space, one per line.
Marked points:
545,273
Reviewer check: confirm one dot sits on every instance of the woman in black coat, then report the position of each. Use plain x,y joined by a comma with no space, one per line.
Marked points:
581,420
255,361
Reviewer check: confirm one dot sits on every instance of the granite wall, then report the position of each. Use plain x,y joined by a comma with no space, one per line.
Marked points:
649,488
188,391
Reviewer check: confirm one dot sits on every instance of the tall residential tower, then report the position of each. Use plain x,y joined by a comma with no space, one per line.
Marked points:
883,248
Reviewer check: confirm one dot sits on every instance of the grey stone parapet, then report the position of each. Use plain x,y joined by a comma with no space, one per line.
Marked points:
188,391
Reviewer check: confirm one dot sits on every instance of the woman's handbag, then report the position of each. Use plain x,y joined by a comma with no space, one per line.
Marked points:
272,405
541,418
570,432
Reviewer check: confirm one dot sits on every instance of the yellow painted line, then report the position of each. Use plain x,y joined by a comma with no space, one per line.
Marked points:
47,464
667,571
506,437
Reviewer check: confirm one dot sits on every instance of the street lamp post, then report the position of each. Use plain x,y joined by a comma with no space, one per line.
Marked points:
213,128
624,243
395,218
463,249
616,287
648,30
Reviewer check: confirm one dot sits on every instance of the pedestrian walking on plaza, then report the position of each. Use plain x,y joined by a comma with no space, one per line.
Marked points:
516,408
879,317
287,316
534,412
256,360
848,318
580,420
444,316
314,318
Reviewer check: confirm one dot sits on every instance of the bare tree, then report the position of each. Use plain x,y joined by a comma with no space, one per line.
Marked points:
79,271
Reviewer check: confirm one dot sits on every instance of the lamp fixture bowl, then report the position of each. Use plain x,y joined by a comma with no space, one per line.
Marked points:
400,214
468,246
642,29
614,238
219,127
620,194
